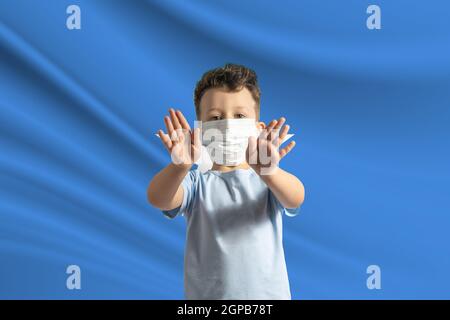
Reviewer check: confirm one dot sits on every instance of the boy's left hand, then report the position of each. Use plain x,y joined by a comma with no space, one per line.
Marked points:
264,153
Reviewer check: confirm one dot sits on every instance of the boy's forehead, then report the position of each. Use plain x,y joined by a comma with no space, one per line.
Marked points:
219,98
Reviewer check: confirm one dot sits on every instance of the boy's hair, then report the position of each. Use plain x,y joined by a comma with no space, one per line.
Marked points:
233,77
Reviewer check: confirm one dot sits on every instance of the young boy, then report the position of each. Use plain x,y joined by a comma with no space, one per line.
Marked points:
234,211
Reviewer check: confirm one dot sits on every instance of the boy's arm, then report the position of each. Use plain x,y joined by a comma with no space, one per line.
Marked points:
165,191
287,188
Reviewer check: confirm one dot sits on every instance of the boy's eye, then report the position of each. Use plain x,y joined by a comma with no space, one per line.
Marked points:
214,118
240,115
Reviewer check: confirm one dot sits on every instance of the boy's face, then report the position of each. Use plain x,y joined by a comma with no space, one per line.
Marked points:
219,103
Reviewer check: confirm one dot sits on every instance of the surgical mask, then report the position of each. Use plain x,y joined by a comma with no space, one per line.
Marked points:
226,140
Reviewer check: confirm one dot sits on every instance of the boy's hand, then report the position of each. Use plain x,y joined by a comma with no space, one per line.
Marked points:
183,145
263,153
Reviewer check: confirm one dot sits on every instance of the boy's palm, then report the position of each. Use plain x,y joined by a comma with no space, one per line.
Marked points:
183,144
264,152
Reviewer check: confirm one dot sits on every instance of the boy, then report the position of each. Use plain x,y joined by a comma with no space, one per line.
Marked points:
234,211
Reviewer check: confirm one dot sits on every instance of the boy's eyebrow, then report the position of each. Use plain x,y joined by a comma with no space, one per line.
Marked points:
217,109
213,109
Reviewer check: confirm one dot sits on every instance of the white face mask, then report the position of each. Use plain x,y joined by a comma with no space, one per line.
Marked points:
226,140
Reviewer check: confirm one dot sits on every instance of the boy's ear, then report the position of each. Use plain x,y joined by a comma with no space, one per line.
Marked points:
260,125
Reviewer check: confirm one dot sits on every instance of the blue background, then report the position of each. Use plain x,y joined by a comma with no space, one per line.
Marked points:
78,110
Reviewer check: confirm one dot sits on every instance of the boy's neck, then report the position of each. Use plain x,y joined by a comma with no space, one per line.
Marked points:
222,168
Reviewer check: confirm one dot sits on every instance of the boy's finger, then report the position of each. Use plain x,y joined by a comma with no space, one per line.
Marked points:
165,139
273,134
282,135
280,122
169,125
183,121
173,116
287,149
170,129
272,125
265,132
284,131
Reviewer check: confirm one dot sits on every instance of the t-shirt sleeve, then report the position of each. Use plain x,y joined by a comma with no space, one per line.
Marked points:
189,185
290,212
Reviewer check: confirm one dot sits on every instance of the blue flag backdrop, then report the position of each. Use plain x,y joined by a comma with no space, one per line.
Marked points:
79,109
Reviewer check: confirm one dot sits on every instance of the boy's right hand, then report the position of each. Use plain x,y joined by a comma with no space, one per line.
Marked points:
183,144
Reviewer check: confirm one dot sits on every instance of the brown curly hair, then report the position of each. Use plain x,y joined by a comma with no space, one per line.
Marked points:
231,76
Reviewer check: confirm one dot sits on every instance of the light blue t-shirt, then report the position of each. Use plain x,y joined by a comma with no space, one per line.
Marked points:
234,246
